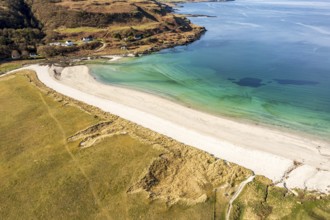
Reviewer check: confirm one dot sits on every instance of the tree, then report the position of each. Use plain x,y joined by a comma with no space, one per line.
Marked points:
117,36
25,54
47,51
52,36
15,54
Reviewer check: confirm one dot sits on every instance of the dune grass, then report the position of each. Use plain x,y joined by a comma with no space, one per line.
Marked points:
45,177
258,201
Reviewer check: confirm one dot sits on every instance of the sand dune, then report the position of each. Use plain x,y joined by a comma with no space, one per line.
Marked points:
266,151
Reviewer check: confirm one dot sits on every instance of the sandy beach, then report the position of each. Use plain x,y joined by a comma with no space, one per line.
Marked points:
288,159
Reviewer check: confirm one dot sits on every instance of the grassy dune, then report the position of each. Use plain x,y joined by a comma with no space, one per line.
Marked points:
45,176
60,159
260,200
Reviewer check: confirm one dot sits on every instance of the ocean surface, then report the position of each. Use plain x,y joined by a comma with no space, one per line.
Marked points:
263,61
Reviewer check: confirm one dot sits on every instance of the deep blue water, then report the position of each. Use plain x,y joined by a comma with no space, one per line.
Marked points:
265,61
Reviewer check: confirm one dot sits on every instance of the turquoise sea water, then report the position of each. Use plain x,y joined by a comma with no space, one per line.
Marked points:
265,61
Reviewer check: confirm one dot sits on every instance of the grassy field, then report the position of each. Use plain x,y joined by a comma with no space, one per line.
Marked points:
43,176
8,66
80,30
60,159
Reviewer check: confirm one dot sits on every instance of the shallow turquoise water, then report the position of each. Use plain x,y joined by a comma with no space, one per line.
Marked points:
268,62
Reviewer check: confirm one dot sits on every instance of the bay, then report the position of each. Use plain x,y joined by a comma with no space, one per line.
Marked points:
263,61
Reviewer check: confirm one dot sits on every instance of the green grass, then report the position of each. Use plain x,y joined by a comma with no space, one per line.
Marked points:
12,65
6,67
255,203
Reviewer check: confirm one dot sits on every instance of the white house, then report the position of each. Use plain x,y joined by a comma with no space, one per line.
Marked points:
68,43
33,55
87,39
138,36
15,55
55,44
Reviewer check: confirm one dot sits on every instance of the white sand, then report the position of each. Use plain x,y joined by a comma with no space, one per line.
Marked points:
113,58
264,150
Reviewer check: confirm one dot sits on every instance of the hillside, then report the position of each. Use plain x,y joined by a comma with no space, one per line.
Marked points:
19,29
16,14
184,1
112,23
100,13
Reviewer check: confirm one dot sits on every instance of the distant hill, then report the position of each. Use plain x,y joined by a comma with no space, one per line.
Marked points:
27,24
95,13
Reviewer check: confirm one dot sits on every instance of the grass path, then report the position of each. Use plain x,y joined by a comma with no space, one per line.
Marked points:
237,193
96,199
102,47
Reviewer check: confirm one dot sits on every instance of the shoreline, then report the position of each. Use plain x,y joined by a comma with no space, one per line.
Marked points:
250,121
288,160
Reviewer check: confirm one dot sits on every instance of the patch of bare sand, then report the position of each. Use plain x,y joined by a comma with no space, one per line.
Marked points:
188,176
179,174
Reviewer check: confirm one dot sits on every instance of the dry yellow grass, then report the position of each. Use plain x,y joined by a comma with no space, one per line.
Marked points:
261,200
43,175
106,6
90,30
58,160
